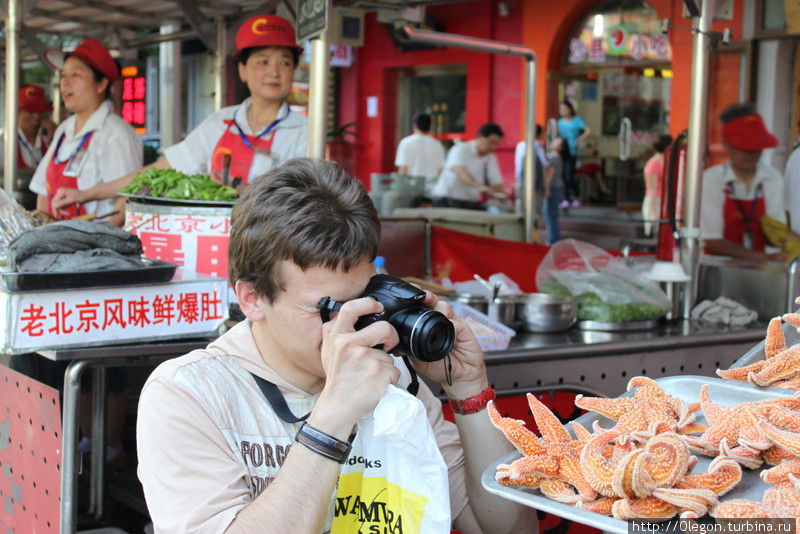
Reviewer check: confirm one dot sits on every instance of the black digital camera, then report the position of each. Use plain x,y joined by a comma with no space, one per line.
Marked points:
425,334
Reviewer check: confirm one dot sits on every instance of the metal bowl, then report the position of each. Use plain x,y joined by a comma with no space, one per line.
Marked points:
479,302
506,309
542,313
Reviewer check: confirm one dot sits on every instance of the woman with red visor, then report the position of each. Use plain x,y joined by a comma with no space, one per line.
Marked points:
94,144
737,193
258,134
34,128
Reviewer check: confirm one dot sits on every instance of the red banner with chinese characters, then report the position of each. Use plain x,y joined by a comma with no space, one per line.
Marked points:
189,306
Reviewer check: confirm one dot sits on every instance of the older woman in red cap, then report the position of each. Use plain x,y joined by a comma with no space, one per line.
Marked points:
258,134
34,129
94,144
737,193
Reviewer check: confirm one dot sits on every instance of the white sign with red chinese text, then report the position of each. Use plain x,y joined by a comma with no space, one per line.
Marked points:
195,237
189,306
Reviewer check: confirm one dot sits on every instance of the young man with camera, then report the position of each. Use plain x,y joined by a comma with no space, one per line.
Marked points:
224,441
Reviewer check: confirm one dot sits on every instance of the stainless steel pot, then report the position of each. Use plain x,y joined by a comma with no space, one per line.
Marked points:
479,302
540,312
506,309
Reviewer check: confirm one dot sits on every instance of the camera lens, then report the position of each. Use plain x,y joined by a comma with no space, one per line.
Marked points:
431,335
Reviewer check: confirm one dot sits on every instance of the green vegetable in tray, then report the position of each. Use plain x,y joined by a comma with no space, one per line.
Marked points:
592,308
169,183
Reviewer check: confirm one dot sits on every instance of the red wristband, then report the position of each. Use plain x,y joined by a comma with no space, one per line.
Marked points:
473,404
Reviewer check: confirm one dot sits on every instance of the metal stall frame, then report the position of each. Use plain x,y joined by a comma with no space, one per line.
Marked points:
698,122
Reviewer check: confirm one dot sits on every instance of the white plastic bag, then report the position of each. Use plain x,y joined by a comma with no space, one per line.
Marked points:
398,481
606,288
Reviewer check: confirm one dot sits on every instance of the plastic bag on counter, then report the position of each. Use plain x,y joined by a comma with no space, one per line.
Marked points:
607,289
13,221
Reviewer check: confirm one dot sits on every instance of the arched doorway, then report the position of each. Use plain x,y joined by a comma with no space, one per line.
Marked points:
616,65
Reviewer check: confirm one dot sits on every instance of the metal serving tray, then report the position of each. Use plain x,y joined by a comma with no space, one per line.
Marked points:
686,388
154,272
179,202
757,352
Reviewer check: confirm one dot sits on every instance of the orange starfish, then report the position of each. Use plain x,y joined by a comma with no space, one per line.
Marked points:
649,405
792,383
781,366
652,482
782,499
735,429
786,440
554,455
774,344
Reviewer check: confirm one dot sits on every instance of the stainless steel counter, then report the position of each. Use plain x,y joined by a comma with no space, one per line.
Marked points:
576,343
604,362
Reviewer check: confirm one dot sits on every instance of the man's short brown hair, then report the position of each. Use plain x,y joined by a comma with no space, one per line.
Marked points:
308,211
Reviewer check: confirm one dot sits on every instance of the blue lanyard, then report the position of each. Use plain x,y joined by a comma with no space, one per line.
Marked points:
264,132
80,145
27,146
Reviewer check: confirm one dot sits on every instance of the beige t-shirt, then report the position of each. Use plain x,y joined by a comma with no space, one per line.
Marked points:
209,443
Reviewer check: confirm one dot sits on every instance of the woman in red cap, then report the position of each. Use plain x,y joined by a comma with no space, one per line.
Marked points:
258,134
34,129
737,193
94,144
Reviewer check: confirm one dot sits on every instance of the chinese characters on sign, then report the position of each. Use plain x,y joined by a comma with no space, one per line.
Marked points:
68,317
134,95
199,242
620,44
189,305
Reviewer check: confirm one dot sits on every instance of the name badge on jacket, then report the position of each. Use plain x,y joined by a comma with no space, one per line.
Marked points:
75,164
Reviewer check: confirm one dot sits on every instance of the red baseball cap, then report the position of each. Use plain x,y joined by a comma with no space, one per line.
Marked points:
748,133
33,99
90,51
266,30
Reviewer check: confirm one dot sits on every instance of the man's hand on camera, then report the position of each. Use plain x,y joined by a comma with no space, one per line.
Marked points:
468,369
356,374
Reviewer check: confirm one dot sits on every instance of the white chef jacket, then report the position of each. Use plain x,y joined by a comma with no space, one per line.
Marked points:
792,193
114,150
31,153
713,197
423,154
193,154
483,168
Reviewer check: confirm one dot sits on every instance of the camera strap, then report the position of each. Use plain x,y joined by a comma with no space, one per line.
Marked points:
413,387
277,401
278,404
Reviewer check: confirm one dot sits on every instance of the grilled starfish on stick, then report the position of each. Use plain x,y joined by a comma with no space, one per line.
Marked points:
735,429
554,455
649,405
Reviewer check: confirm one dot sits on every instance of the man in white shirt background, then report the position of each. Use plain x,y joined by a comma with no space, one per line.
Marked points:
420,154
471,170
